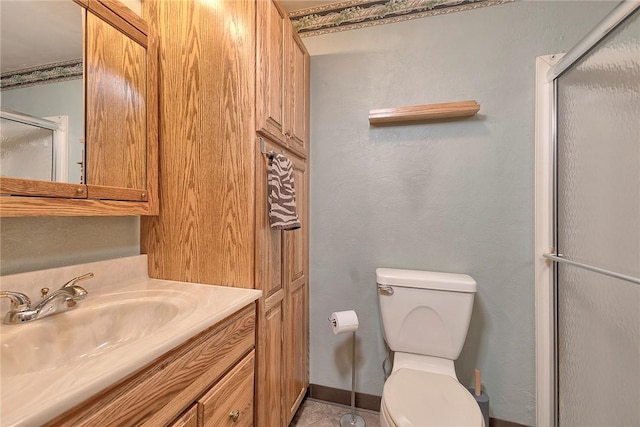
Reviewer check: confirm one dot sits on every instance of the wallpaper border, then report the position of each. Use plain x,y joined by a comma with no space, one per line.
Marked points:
354,14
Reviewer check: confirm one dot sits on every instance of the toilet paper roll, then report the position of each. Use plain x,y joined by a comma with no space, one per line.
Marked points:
343,321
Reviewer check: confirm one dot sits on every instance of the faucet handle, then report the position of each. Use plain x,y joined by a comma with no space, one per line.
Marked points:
19,301
73,281
79,293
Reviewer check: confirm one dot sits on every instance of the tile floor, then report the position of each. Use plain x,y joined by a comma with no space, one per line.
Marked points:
316,413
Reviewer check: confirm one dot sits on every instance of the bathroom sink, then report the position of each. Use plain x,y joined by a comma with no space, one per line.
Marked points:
96,326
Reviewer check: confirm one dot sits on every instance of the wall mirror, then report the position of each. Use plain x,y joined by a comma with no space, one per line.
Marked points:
42,117
78,109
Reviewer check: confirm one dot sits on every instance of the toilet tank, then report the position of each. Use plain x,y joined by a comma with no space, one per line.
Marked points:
425,312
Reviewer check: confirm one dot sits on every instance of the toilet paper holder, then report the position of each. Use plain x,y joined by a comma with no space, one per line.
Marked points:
337,321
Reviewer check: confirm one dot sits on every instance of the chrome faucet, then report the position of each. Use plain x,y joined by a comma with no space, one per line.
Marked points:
63,299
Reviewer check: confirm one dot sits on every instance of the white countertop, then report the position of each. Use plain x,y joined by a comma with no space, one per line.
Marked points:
34,397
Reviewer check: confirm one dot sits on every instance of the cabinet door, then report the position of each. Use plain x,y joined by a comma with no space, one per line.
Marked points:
268,241
230,401
297,299
298,96
188,419
116,145
270,363
271,27
296,349
297,241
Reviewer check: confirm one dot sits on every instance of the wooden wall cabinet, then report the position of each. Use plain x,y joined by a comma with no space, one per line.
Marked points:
204,381
205,230
282,79
121,110
213,225
283,325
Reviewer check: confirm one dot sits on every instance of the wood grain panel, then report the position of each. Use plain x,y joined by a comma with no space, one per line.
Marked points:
149,9
296,349
30,187
232,396
296,245
118,16
207,62
116,112
116,193
268,256
169,385
123,12
269,373
428,112
296,334
188,419
17,206
227,142
298,88
179,44
270,78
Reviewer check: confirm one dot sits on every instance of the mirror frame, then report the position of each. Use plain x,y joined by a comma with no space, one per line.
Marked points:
23,197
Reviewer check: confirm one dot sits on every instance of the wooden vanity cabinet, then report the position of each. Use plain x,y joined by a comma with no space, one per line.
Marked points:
188,419
191,380
282,80
228,403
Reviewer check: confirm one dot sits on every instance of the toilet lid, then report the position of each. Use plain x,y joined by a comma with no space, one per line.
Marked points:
418,398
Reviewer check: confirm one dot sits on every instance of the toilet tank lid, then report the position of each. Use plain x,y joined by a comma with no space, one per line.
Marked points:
425,280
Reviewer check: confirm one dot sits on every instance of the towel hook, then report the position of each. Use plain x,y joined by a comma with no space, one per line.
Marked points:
263,149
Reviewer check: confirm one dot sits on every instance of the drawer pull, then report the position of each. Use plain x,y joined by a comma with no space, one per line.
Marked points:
234,415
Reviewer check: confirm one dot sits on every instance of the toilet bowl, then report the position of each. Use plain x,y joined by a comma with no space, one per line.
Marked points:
425,318
419,398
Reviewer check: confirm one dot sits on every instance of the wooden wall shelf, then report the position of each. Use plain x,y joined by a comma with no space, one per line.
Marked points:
419,113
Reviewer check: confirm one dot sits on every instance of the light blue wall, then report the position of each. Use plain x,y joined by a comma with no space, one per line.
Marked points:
28,244
453,196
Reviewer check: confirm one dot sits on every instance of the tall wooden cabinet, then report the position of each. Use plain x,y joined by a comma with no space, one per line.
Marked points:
234,74
282,324
282,107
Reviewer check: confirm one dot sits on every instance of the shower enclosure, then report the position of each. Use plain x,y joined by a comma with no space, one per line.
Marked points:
588,228
33,147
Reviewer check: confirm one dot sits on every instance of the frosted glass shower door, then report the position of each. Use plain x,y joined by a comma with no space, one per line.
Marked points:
598,223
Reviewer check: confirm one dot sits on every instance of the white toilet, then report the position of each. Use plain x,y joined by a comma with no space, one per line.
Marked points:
425,317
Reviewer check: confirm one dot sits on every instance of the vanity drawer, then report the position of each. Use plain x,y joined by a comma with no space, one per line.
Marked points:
230,402
154,395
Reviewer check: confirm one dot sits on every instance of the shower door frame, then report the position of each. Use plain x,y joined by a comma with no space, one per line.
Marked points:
548,69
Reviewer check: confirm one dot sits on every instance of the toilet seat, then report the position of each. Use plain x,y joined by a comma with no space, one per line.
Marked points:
421,399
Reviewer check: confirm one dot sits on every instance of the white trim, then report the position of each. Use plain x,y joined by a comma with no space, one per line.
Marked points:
603,28
28,119
60,148
544,297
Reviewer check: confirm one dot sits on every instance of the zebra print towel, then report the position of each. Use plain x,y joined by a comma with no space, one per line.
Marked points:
282,194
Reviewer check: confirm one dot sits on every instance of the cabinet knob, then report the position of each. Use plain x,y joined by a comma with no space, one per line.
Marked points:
234,415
